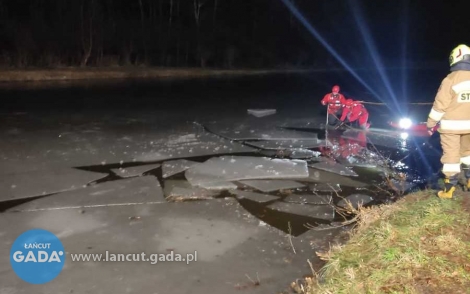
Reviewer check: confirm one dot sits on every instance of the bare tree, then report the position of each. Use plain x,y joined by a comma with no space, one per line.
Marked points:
171,15
215,13
197,11
144,43
126,50
178,43
87,37
197,17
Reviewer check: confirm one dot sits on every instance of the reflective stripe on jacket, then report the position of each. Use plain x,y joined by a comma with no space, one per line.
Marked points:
452,104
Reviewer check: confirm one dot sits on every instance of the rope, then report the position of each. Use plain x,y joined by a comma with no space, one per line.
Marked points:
411,103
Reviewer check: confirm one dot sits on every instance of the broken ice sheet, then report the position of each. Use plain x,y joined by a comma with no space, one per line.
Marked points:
334,167
235,168
290,153
285,144
320,176
309,123
133,171
257,197
261,112
303,153
357,161
174,167
179,190
181,139
255,132
272,185
325,187
127,191
309,199
218,186
355,200
192,146
319,159
272,153
324,212
36,183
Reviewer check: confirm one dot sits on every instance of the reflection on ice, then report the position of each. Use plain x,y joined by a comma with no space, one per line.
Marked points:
174,167
384,139
234,168
272,185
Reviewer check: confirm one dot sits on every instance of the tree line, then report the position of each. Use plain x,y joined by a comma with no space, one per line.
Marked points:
170,33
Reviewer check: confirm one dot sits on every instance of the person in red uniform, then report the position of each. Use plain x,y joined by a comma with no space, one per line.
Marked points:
335,101
355,111
346,110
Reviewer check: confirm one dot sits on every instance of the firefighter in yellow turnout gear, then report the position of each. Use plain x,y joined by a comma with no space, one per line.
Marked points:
452,109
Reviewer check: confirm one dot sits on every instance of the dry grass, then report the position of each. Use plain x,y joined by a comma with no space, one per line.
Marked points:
420,244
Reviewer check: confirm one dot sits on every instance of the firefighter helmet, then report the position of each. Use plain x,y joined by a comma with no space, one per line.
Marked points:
460,53
348,102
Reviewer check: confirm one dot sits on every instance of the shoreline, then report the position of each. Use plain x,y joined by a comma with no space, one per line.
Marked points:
78,74
14,75
419,243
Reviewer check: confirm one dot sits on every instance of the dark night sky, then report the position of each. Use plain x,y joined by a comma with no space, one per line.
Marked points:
434,27
233,33
428,29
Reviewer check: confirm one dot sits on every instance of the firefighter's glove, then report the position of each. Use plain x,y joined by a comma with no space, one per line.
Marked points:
431,123
431,131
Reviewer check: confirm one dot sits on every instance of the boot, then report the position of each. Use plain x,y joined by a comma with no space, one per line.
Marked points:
449,187
466,170
364,126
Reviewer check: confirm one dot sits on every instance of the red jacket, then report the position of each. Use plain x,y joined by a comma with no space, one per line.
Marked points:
355,111
334,101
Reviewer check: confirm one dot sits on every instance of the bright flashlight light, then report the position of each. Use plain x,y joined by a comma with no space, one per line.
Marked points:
404,136
405,123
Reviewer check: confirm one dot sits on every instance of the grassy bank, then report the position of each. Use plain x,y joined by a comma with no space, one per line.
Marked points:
64,74
420,244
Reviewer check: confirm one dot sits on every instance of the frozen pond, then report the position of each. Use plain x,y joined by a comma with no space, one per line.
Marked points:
189,163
